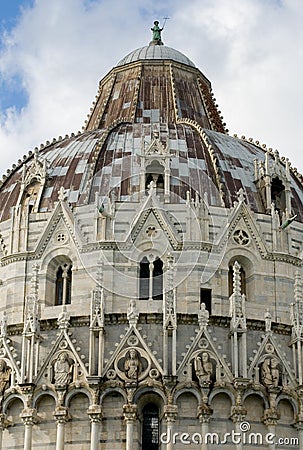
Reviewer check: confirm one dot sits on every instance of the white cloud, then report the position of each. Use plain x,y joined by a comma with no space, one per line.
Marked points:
251,50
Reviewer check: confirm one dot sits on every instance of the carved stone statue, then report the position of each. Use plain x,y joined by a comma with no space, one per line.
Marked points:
5,373
267,318
132,312
203,368
270,372
203,316
63,319
3,325
63,370
156,31
132,364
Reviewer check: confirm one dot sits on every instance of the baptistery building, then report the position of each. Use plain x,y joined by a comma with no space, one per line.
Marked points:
150,279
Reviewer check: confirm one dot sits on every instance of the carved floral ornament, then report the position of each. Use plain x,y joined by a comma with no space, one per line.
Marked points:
240,237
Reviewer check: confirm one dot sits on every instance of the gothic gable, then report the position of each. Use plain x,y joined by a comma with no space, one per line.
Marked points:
132,361
269,365
242,229
60,229
203,352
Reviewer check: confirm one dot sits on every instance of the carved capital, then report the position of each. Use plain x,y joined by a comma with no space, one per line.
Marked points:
4,422
61,414
271,417
29,416
27,389
95,413
238,413
170,413
130,412
298,424
204,413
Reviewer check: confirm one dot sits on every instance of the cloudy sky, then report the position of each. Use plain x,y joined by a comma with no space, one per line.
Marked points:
53,53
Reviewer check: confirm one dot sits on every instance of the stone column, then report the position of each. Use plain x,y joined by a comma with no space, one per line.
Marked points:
130,416
28,417
61,416
270,420
299,418
238,414
95,415
204,414
170,414
3,424
167,183
299,427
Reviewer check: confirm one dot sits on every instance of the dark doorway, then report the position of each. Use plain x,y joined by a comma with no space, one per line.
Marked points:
150,429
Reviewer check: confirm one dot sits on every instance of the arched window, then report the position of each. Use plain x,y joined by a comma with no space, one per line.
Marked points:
230,280
155,173
63,285
151,279
150,428
30,196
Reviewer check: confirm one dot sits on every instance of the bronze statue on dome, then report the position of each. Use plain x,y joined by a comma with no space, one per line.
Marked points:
156,31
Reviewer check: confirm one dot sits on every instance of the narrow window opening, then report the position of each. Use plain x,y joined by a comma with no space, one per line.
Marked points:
158,279
205,297
144,279
59,286
63,285
160,182
278,194
149,179
150,428
68,286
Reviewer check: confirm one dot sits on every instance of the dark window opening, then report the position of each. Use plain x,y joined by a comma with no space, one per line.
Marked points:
205,297
150,428
158,279
144,279
59,286
63,285
160,183
278,194
69,286
230,281
149,179
151,279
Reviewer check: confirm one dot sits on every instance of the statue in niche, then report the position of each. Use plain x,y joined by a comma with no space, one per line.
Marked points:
270,372
203,368
132,365
62,370
5,373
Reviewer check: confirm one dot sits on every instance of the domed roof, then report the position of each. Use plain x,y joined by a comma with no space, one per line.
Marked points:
134,105
155,52
98,162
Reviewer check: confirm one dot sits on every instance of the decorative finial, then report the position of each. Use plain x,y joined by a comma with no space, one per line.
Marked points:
156,34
